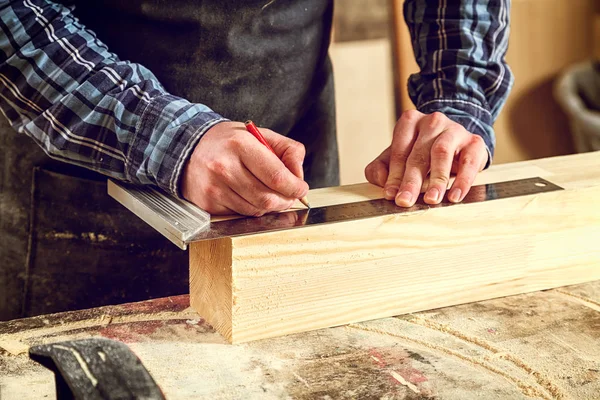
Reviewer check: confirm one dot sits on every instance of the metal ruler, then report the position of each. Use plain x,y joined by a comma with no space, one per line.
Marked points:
178,220
183,223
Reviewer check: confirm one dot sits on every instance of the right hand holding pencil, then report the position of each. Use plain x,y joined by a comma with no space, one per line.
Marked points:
231,172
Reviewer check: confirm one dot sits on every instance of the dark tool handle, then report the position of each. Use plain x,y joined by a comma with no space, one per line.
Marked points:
96,369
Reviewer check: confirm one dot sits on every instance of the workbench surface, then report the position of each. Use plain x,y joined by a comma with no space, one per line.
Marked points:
536,345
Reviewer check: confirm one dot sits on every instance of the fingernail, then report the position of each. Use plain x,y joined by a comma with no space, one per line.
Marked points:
433,194
390,193
404,198
455,195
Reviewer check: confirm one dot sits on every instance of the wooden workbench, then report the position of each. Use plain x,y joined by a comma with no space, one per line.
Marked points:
538,345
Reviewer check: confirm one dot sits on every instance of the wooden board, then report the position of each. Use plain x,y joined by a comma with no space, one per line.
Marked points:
273,284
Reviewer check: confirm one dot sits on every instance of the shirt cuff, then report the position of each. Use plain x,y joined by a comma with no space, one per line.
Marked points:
473,117
167,132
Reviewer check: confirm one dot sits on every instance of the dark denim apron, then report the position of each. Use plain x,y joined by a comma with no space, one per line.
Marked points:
65,243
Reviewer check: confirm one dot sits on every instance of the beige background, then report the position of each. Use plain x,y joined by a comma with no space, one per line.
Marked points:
364,103
362,59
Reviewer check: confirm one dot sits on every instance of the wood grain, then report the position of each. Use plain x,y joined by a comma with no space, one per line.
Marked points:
211,282
297,280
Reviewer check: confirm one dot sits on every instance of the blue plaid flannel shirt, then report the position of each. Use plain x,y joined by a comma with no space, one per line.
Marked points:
62,87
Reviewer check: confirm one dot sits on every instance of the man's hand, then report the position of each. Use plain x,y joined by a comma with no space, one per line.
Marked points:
422,144
232,172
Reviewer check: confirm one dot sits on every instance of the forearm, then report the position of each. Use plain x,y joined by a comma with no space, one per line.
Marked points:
460,47
82,104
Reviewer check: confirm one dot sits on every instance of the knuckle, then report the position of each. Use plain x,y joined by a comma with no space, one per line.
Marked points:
410,116
468,162
478,140
393,182
268,202
441,150
236,142
216,166
277,178
298,147
436,119
441,180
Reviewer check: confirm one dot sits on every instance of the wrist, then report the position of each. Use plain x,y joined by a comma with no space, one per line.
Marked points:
168,131
474,118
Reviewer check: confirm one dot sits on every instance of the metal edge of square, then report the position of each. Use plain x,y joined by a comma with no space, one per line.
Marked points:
155,216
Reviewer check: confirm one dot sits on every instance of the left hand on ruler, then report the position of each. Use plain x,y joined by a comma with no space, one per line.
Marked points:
424,143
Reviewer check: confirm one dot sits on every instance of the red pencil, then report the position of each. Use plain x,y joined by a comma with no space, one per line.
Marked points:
251,127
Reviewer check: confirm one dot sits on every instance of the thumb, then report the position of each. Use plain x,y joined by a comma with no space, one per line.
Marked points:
289,151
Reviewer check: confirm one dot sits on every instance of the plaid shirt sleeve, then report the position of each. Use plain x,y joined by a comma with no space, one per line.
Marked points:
460,47
82,104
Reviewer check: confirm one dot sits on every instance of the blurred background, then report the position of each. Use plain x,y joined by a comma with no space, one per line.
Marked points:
552,45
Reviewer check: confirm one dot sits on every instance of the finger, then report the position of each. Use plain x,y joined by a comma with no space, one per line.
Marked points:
207,194
256,193
405,133
377,170
289,151
471,161
270,170
216,209
418,163
417,167
218,199
233,201
442,156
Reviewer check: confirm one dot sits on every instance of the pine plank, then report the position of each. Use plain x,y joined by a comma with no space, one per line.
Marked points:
273,284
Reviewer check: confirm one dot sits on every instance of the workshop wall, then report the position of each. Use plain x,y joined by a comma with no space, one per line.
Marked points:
361,54
597,32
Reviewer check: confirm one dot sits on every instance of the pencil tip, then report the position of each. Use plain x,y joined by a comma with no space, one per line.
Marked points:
304,201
